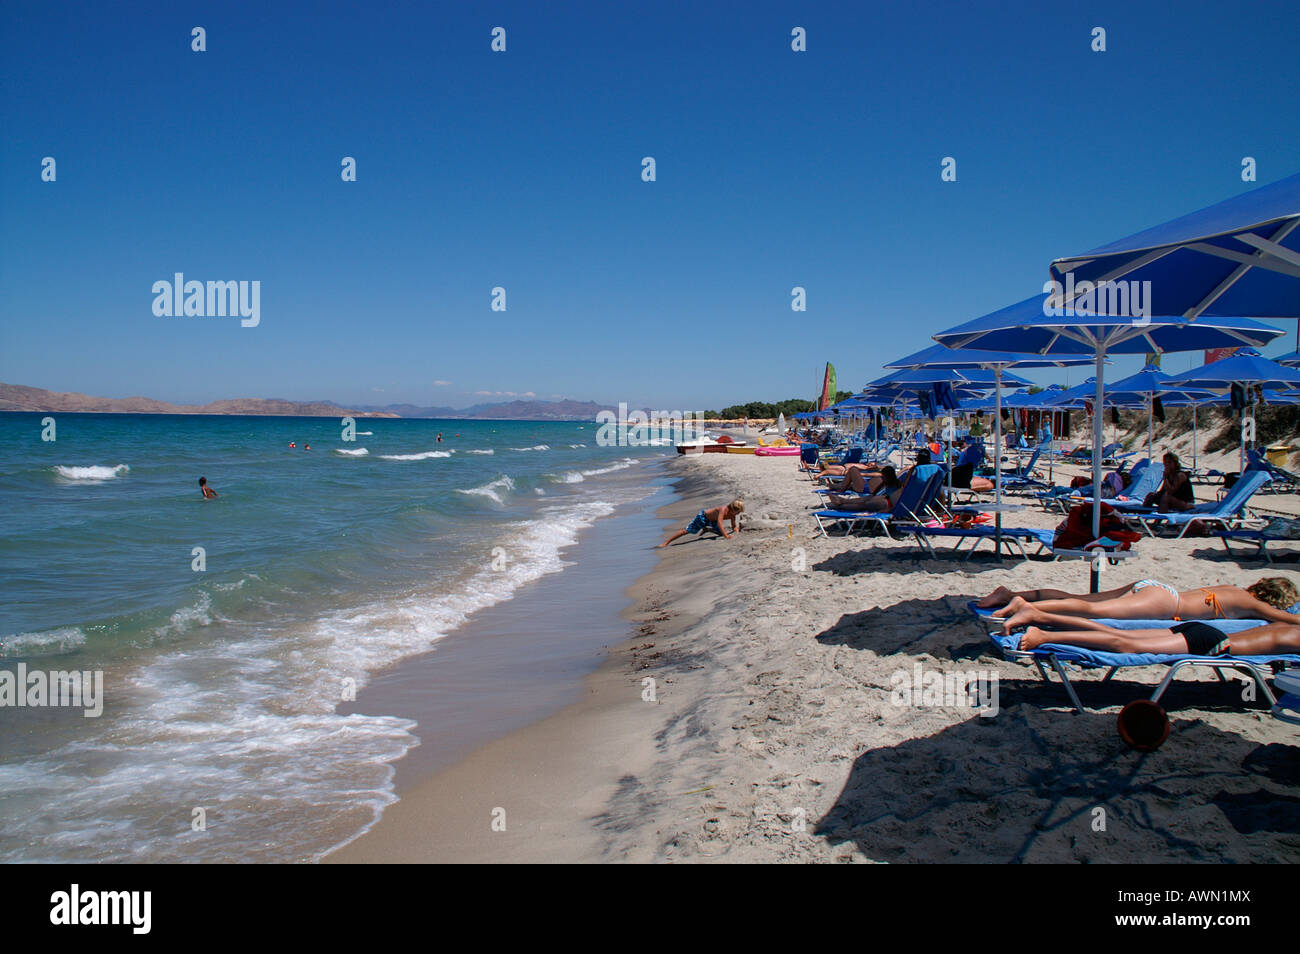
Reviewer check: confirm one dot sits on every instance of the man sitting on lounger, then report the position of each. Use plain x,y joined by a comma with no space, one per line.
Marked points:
885,491
1268,599
963,472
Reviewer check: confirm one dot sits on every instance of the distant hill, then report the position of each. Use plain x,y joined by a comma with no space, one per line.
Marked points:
565,410
17,397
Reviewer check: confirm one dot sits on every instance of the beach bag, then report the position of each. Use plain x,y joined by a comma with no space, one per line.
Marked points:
1283,528
1075,531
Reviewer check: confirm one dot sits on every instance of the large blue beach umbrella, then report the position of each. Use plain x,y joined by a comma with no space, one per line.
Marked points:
1240,257
1247,368
1038,325
996,364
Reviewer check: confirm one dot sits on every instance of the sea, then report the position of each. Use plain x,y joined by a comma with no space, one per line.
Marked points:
232,634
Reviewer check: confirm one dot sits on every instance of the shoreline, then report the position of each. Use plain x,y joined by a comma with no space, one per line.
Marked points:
775,738
557,774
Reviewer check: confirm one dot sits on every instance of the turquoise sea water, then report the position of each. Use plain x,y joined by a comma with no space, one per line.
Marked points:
322,567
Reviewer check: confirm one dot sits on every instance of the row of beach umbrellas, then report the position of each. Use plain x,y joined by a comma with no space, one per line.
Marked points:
1213,274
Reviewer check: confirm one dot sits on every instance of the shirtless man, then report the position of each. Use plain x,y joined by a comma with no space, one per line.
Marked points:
208,492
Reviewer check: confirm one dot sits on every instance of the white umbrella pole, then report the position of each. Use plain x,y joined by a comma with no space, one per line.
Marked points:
1096,464
1193,437
1151,412
997,460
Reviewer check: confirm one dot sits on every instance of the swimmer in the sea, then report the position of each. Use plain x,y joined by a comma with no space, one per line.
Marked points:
208,492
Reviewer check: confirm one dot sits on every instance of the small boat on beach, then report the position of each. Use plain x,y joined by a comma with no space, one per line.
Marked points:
709,445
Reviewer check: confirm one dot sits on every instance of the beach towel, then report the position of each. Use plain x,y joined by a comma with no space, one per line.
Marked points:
1075,531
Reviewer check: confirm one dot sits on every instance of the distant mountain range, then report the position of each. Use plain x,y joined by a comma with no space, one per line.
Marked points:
17,397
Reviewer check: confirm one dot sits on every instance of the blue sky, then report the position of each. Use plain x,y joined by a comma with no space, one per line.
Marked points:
522,170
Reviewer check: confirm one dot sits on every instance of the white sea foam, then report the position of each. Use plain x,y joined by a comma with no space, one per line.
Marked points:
488,451
186,618
577,445
535,447
493,489
359,452
93,473
427,455
50,642
209,723
625,463
365,433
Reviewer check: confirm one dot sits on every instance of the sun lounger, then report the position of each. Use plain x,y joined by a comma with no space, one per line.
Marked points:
1282,480
912,508
1227,513
1057,655
1287,707
1261,539
1147,482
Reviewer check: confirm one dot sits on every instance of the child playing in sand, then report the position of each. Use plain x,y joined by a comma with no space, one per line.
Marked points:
711,520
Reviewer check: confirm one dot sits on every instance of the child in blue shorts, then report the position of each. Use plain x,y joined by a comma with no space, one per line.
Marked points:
711,520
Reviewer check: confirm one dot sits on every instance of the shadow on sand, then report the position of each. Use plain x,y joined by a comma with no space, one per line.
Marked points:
1050,786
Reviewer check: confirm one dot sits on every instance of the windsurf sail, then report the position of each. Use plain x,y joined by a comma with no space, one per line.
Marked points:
828,388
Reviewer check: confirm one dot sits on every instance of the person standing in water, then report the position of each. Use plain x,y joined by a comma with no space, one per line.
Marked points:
208,492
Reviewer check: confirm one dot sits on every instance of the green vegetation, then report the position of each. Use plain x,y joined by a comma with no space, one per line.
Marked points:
764,409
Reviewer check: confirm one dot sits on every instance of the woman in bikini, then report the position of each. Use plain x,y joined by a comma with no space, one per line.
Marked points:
1193,637
1269,599
885,491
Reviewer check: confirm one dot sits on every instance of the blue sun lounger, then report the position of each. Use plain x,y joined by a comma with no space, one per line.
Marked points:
1227,513
912,507
1283,480
1016,536
1056,655
1261,539
1287,707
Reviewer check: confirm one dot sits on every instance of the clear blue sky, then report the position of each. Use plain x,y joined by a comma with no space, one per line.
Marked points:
522,169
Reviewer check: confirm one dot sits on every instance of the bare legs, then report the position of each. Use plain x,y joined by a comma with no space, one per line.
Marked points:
1002,596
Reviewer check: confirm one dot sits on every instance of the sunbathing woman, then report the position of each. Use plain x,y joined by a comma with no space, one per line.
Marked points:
856,478
1268,599
884,495
1194,637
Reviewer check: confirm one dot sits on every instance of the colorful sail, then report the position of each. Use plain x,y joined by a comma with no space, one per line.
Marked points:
828,388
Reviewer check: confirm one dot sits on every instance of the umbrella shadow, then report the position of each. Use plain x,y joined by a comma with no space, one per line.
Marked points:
1028,786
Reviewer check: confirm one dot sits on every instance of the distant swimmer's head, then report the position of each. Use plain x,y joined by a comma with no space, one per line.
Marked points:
1276,591
203,481
737,506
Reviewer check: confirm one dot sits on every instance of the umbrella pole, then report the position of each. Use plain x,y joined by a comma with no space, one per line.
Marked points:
1193,437
997,460
1095,582
1151,411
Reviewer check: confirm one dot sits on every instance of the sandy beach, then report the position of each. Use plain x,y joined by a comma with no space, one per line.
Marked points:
773,736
